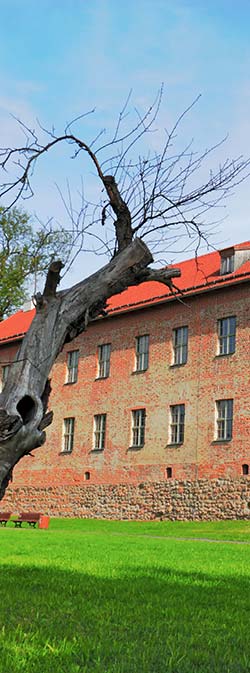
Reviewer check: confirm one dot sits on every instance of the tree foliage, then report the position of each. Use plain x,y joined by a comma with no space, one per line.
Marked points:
26,251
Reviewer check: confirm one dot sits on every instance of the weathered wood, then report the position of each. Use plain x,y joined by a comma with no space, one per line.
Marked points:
53,278
123,227
59,318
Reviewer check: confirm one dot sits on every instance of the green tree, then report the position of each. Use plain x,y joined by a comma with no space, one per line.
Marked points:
25,253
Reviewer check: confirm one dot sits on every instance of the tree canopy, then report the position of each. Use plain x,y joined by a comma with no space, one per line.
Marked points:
26,251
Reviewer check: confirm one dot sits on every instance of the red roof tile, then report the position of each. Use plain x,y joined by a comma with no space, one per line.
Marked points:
16,326
197,275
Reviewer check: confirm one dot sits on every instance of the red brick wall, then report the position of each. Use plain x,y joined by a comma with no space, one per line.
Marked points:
198,384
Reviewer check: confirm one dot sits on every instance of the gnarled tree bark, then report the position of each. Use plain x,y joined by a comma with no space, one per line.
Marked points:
59,318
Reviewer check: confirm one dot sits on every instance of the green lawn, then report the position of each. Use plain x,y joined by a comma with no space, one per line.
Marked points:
120,597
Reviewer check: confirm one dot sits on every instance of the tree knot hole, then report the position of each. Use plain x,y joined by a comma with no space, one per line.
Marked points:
26,408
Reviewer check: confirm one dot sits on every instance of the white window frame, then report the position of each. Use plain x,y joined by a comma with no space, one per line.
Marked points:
141,353
104,353
227,264
138,427
227,335
177,423
99,432
180,345
224,420
68,434
72,366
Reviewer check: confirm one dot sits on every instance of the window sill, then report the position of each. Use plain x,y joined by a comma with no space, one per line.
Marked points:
136,448
139,371
224,355
101,378
172,445
221,441
97,450
69,383
175,364
64,453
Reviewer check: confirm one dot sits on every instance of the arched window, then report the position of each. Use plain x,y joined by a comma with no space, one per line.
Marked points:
168,472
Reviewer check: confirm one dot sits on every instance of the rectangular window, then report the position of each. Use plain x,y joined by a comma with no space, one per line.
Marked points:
138,427
5,371
227,264
224,420
177,423
226,335
180,345
68,434
104,352
72,366
99,431
142,353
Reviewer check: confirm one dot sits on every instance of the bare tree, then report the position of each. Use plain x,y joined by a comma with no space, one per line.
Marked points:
151,196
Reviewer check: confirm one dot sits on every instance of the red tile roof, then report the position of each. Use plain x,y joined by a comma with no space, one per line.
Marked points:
198,275
14,328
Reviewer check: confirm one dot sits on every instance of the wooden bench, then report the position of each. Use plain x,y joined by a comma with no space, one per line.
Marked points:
4,517
32,518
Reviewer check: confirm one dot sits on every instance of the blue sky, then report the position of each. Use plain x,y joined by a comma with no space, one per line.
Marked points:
59,59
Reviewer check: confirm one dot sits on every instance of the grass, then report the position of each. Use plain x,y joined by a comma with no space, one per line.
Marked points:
121,597
215,530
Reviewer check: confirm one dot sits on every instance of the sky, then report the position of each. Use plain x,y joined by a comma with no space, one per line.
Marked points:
59,59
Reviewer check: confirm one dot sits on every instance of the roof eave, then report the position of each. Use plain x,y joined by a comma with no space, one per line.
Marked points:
190,292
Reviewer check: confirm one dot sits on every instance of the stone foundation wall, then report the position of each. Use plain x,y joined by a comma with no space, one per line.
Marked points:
174,500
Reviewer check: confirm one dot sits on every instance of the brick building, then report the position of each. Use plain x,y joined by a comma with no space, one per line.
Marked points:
157,391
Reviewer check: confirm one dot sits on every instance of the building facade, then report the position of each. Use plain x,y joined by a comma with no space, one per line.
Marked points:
156,392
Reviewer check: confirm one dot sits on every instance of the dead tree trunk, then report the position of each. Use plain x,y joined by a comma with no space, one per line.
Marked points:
59,318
